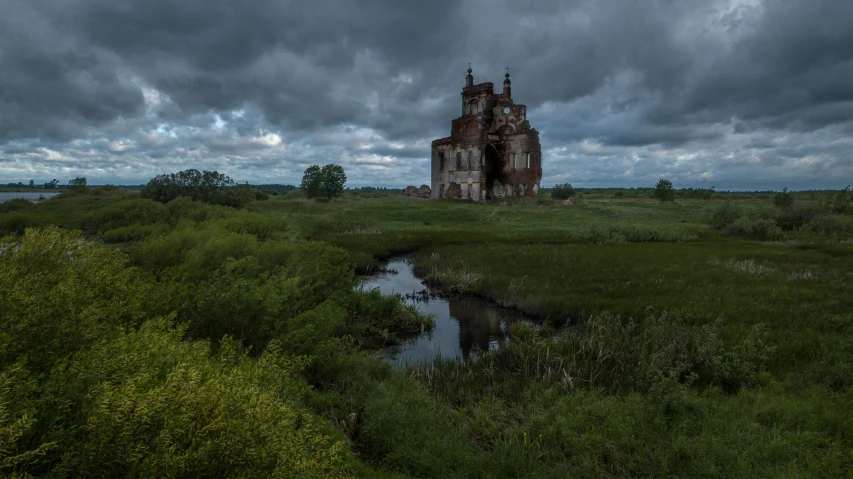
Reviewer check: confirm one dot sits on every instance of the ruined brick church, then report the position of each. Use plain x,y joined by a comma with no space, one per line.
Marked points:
491,152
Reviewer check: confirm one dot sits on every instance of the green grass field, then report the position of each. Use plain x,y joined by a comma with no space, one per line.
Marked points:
669,347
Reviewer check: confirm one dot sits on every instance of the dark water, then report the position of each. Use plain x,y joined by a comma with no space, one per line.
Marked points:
11,195
462,325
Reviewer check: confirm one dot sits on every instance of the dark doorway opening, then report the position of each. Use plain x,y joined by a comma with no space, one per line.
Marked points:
493,170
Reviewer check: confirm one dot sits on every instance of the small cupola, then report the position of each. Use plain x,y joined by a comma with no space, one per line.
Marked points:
469,79
507,85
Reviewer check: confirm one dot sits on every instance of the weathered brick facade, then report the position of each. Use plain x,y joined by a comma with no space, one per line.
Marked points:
491,152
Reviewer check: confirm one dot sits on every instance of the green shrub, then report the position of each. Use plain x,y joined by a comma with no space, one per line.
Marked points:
261,226
842,201
664,191
750,224
753,226
562,192
795,217
784,199
724,215
15,204
125,213
378,313
242,301
61,293
128,233
151,405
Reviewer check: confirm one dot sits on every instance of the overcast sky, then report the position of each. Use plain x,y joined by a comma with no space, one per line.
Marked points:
740,94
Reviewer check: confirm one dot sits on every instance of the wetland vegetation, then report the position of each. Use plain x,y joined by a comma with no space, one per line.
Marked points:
709,336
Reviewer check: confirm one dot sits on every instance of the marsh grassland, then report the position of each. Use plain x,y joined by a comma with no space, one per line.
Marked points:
695,338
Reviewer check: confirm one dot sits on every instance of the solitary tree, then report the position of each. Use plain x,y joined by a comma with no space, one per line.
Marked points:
32,183
334,180
327,181
664,190
312,181
77,184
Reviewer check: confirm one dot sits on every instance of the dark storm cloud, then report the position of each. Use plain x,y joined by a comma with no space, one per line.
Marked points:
622,90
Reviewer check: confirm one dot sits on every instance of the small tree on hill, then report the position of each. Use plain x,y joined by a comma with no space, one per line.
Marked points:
327,181
77,184
664,190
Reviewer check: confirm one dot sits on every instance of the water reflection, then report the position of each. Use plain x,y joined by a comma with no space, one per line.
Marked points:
462,325
11,195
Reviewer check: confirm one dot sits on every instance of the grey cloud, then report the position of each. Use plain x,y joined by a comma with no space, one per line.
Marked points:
685,86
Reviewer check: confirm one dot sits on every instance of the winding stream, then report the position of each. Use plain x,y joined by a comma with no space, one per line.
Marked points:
462,325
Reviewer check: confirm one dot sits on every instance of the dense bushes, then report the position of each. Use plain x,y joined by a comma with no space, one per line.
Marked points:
152,405
737,221
89,386
207,186
768,224
562,192
60,294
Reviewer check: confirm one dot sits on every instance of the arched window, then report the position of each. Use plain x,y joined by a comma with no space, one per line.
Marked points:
469,159
458,161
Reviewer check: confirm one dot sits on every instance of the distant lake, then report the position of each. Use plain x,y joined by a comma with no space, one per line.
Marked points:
10,195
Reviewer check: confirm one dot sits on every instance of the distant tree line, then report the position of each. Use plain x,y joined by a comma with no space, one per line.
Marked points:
275,188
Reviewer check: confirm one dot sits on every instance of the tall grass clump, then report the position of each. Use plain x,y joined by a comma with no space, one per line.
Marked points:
614,354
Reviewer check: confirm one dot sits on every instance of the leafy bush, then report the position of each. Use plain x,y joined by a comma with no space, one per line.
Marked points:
750,224
151,405
62,293
128,233
261,226
784,199
132,212
14,204
664,191
377,313
207,186
753,226
724,215
842,201
796,216
562,192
